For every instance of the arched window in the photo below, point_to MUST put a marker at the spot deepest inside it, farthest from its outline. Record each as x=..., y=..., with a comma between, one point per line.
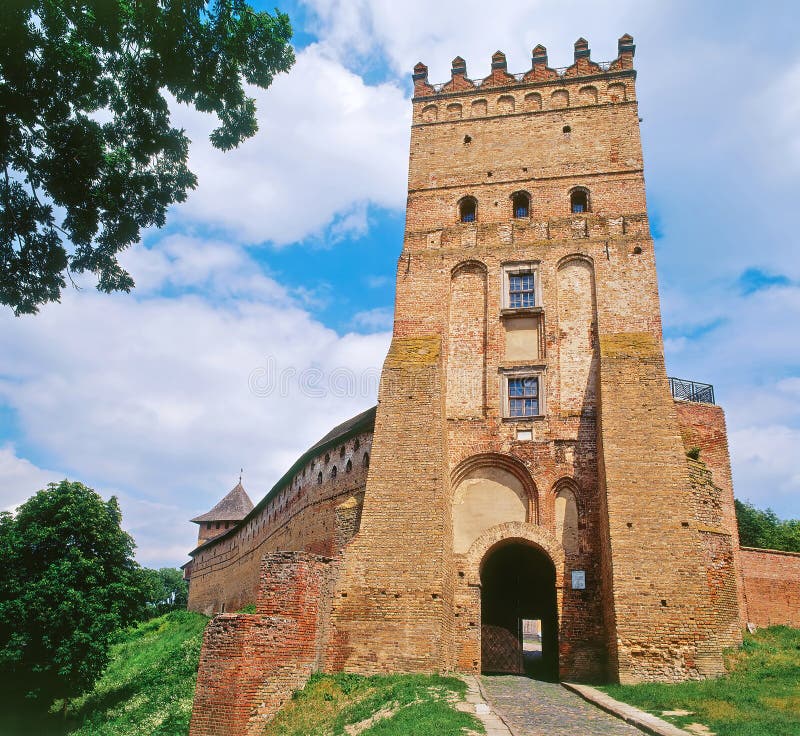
x=579, y=200
x=366, y=460
x=356, y=444
x=334, y=472
x=348, y=467
x=327, y=458
x=521, y=204
x=341, y=451
x=468, y=209
x=319, y=478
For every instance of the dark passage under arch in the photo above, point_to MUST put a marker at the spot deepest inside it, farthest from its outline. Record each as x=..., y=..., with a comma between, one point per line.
x=518, y=585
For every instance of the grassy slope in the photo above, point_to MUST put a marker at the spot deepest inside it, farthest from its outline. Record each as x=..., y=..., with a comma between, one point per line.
x=759, y=697
x=148, y=687
x=407, y=705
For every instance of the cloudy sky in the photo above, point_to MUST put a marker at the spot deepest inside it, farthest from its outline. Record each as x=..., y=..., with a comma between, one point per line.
x=262, y=311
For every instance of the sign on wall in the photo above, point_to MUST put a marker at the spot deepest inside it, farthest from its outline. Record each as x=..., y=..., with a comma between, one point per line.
x=579, y=579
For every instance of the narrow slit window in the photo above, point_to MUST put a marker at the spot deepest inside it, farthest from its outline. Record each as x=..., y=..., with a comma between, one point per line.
x=467, y=209
x=521, y=292
x=523, y=396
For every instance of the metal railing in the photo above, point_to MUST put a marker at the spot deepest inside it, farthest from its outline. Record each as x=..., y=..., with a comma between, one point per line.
x=684, y=390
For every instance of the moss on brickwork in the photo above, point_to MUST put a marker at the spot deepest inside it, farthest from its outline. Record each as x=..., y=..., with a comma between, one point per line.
x=630, y=344
x=417, y=351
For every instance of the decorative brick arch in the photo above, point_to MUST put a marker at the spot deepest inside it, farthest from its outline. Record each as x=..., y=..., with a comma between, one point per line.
x=471, y=264
x=507, y=462
x=510, y=533
x=567, y=483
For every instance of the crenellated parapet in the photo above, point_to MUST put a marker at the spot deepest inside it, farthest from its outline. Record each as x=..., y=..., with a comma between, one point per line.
x=574, y=86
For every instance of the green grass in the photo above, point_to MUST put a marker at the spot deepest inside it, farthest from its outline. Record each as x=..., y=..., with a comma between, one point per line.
x=760, y=696
x=394, y=705
x=148, y=687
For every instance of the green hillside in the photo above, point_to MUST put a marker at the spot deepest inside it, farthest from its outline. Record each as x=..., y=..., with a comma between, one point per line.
x=148, y=687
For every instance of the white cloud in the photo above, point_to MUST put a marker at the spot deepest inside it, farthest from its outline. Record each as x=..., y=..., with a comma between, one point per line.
x=20, y=478
x=380, y=318
x=434, y=33
x=776, y=111
x=376, y=282
x=328, y=144
x=765, y=466
x=152, y=396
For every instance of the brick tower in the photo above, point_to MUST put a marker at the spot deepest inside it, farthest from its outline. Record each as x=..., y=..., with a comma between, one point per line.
x=528, y=495
x=528, y=461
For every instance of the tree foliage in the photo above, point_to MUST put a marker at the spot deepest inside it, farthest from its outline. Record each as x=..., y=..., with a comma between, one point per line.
x=166, y=590
x=68, y=581
x=88, y=153
x=765, y=530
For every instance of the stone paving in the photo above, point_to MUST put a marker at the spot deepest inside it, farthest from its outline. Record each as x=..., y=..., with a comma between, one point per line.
x=535, y=708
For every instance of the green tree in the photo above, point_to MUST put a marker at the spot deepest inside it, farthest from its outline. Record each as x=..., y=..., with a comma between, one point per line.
x=166, y=590
x=88, y=152
x=68, y=581
x=765, y=530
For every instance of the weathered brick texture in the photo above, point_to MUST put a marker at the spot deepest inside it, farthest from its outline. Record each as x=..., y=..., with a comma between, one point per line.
x=771, y=586
x=251, y=663
x=634, y=544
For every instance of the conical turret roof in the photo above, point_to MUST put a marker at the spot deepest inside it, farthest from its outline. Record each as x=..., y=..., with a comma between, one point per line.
x=234, y=507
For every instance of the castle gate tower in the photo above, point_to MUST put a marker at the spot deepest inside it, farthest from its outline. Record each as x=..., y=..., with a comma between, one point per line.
x=527, y=466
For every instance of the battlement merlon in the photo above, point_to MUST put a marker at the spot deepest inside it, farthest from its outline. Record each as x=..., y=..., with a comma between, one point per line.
x=539, y=73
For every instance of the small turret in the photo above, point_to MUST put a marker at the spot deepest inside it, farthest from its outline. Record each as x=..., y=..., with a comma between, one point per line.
x=581, y=49
x=539, y=56
x=230, y=510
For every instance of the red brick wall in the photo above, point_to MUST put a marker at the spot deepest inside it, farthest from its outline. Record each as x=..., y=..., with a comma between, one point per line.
x=301, y=516
x=771, y=586
x=251, y=664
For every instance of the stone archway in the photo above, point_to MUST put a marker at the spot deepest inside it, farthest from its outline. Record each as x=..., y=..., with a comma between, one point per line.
x=516, y=572
x=519, y=615
x=490, y=489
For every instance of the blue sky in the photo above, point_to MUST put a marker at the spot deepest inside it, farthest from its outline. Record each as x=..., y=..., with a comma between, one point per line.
x=262, y=311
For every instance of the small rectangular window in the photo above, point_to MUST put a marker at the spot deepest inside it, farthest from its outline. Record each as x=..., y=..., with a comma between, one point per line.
x=521, y=291
x=523, y=396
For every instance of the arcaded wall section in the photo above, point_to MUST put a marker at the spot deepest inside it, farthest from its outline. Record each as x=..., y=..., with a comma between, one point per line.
x=771, y=586
x=315, y=508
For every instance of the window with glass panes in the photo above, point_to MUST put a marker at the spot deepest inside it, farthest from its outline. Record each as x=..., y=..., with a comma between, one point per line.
x=523, y=396
x=520, y=290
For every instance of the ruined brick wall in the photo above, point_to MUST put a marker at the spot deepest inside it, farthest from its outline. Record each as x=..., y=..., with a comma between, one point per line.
x=301, y=513
x=771, y=586
x=720, y=550
x=251, y=663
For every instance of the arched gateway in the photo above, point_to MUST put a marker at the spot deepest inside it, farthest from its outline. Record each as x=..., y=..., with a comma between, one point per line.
x=519, y=616
x=516, y=573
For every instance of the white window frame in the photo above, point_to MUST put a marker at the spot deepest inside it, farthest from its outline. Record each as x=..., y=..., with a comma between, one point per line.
x=519, y=269
x=538, y=374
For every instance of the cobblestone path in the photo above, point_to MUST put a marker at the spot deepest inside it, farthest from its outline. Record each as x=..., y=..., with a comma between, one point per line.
x=534, y=708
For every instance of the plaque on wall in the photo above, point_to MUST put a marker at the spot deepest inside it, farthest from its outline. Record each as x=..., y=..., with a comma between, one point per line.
x=579, y=579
